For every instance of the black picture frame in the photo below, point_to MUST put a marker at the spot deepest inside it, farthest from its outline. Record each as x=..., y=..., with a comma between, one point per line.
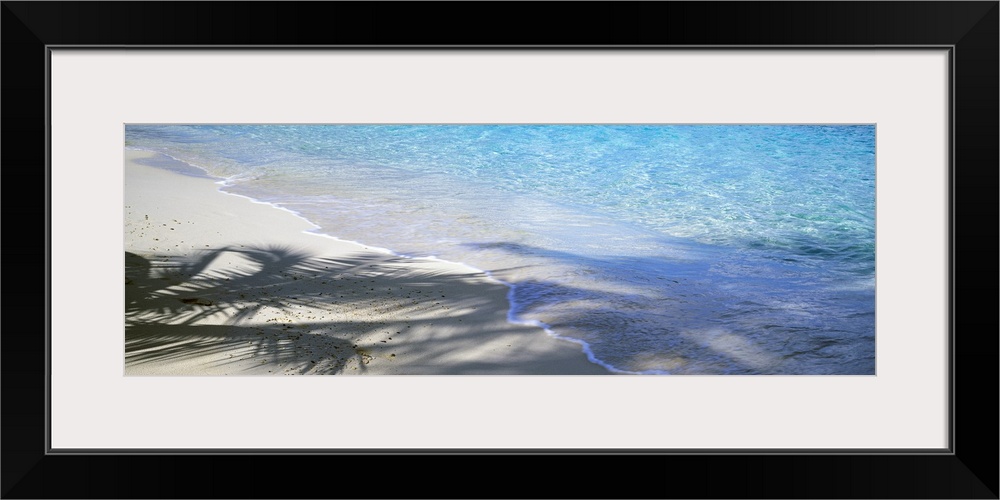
x=968, y=470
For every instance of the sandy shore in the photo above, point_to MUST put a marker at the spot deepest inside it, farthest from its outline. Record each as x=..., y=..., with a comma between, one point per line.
x=216, y=284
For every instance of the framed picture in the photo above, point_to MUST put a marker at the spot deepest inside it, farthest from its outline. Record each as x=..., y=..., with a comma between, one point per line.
x=849, y=383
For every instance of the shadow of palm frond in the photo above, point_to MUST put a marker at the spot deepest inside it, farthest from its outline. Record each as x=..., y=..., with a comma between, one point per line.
x=188, y=290
x=238, y=303
x=287, y=351
x=313, y=314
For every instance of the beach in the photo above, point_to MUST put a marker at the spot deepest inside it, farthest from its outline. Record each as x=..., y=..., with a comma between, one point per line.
x=218, y=284
x=665, y=250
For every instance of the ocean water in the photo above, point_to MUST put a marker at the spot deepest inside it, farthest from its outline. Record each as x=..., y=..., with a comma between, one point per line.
x=661, y=249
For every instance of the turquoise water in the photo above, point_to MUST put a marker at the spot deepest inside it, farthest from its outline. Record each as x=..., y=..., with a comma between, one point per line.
x=694, y=249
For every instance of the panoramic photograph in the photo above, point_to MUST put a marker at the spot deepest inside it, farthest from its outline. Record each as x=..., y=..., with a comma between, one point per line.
x=487, y=249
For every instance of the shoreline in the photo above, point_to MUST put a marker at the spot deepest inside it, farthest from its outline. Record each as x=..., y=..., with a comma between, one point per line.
x=220, y=284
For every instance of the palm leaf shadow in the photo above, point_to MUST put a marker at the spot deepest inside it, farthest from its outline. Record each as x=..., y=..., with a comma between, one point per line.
x=168, y=300
x=222, y=304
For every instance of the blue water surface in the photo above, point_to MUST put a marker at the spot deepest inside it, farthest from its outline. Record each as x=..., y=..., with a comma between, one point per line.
x=674, y=249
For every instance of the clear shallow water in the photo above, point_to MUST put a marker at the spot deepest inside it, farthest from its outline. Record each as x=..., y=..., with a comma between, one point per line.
x=696, y=249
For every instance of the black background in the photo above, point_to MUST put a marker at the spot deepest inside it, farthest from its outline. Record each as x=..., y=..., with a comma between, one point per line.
x=971, y=472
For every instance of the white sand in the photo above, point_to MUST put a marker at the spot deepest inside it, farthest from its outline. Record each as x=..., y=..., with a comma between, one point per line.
x=216, y=284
